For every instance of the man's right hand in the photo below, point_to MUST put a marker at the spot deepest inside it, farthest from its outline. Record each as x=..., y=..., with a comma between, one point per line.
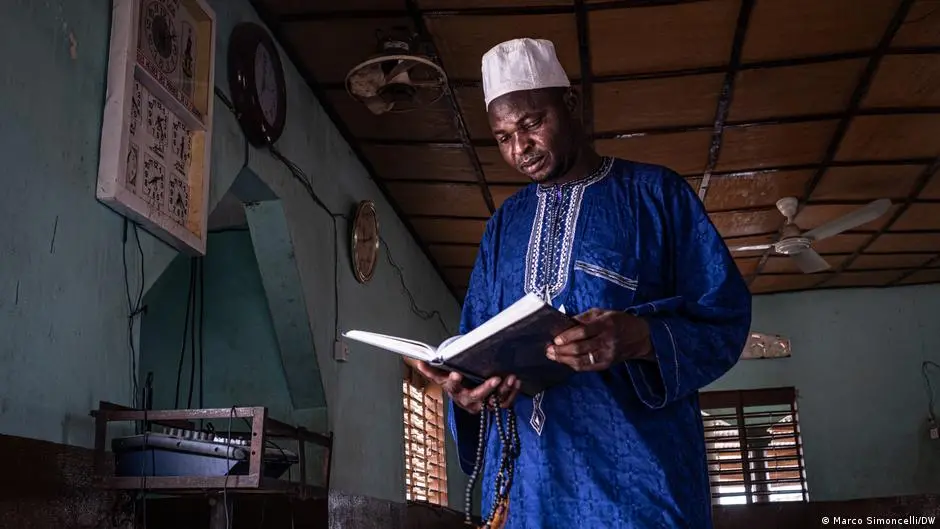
x=469, y=399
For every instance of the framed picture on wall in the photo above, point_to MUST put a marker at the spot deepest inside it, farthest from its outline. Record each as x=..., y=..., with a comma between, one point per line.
x=156, y=134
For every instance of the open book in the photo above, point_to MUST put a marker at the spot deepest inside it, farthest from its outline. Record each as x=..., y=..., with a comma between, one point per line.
x=512, y=342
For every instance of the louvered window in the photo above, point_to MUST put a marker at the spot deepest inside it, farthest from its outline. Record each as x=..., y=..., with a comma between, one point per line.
x=425, y=463
x=752, y=440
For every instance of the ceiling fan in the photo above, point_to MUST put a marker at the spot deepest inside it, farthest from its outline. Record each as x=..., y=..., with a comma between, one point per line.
x=798, y=245
x=400, y=77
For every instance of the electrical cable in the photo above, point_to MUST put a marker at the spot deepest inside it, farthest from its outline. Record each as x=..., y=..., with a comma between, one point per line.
x=202, y=326
x=335, y=282
x=299, y=175
x=228, y=441
x=193, y=322
x=153, y=466
x=423, y=314
x=194, y=264
x=186, y=320
x=134, y=308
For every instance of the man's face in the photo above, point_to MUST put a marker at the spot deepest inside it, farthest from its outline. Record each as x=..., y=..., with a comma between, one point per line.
x=535, y=131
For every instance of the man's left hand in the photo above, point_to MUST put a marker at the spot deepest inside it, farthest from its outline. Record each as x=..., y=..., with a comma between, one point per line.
x=603, y=338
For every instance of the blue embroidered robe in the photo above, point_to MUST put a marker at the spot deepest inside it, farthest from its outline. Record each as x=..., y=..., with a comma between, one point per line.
x=623, y=448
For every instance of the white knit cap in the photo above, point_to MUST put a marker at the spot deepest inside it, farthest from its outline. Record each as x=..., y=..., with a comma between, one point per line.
x=521, y=64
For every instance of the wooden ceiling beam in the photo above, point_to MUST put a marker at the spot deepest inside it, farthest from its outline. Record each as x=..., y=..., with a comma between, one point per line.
x=764, y=65
x=922, y=180
x=584, y=56
x=305, y=16
x=448, y=217
x=905, y=270
x=745, y=209
x=850, y=202
x=749, y=209
x=677, y=129
x=861, y=89
x=292, y=54
x=460, y=245
x=726, y=94
x=706, y=70
x=933, y=263
x=904, y=273
x=398, y=13
x=849, y=232
x=811, y=166
x=890, y=254
x=733, y=173
x=904, y=232
x=819, y=289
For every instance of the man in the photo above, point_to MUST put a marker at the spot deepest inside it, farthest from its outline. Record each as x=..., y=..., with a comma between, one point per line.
x=663, y=312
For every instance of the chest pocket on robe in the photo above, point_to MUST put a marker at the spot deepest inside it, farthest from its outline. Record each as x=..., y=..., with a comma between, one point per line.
x=605, y=279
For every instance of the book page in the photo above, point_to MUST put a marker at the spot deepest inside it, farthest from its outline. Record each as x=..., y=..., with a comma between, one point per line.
x=448, y=341
x=519, y=310
x=410, y=348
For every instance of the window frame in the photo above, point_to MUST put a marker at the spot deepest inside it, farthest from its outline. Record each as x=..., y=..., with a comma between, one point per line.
x=757, y=485
x=424, y=448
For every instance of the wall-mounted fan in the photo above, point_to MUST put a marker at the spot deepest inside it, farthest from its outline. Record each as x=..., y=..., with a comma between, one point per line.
x=798, y=245
x=400, y=78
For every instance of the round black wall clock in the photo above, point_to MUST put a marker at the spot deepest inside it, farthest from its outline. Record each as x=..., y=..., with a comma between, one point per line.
x=256, y=81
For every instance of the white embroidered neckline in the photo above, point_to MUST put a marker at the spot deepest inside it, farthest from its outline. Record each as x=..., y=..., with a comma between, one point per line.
x=566, y=201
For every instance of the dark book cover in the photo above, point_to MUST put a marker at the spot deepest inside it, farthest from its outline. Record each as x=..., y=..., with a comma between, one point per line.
x=518, y=350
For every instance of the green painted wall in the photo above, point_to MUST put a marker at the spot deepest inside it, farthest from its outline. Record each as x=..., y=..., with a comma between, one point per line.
x=856, y=365
x=241, y=357
x=62, y=297
x=241, y=361
x=63, y=308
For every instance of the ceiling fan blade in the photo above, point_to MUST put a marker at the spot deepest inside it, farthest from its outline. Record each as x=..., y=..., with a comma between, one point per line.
x=810, y=262
x=401, y=67
x=754, y=248
x=853, y=220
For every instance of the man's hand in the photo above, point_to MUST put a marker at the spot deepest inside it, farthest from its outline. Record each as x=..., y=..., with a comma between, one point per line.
x=603, y=338
x=471, y=400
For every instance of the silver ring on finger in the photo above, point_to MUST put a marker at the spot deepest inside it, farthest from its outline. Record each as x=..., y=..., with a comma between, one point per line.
x=591, y=358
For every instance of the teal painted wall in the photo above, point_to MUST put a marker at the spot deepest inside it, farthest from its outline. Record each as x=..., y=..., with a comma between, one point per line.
x=63, y=308
x=241, y=360
x=62, y=297
x=856, y=365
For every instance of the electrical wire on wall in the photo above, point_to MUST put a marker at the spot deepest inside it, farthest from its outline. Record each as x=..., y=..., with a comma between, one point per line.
x=135, y=308
x=298, y=174
x=423, y=314
x=193, y=326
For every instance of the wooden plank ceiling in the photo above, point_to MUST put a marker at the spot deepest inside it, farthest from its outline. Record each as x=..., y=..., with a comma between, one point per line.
x=836, y=102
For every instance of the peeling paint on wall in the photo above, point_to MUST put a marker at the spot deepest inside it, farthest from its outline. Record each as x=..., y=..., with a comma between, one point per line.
x=73, y=46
